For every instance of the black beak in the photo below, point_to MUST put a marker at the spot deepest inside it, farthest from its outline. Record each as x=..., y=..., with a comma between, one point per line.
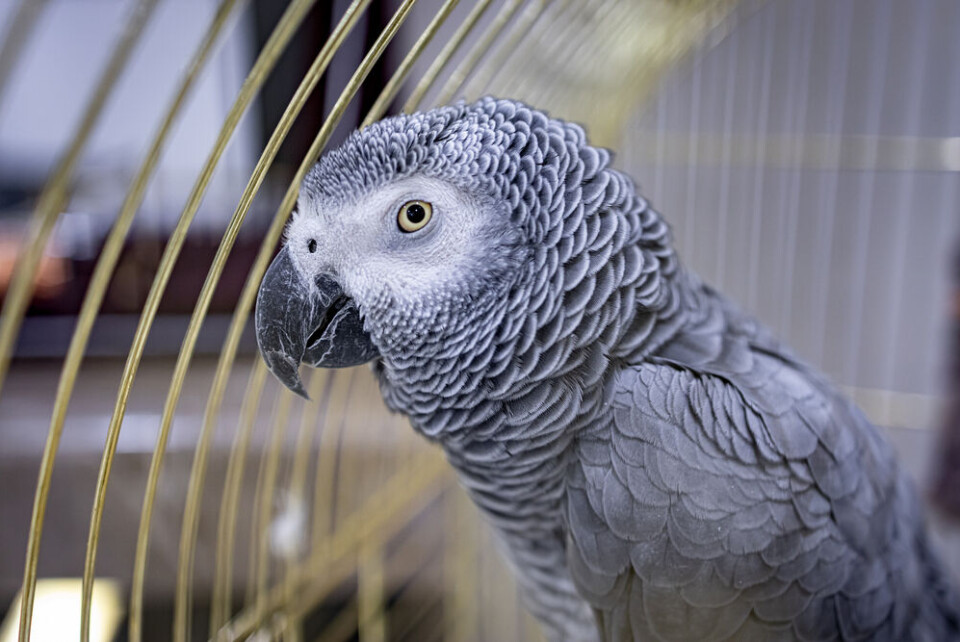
x=313, y=323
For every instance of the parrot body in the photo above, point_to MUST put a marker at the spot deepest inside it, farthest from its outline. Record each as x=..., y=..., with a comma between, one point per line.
x=657, y=465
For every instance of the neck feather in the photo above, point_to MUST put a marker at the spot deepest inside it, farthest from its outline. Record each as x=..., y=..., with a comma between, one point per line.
x=533, y=368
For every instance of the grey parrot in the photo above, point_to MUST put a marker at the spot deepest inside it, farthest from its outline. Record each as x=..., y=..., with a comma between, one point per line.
x=657, y=465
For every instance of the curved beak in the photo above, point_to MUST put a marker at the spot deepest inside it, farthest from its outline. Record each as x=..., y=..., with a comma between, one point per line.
x=301, y=322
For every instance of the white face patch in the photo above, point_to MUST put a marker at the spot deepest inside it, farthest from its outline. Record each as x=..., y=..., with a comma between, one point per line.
x=363, y=246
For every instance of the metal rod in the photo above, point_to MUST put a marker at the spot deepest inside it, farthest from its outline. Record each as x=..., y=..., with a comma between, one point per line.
x=266, y=250
x=319, y=390
x=479, y=50
x=449, y=49
x=383, y=515
x=557, y=18
x=104, y=268
x=54, y=195
x=261, y=534
x=245, y=303
x=333, y=421
x=253, y=548
x=49, y=204
x=519, y=31
x=223, y=571
x=371, y=618
x=251, y=285
x=198, y=469
x=275, y=45
x=390, y=90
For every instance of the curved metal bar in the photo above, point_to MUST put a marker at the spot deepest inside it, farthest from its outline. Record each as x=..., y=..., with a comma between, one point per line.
x=54, y=196
x=100, y=279
x=335, y=412
x=574, y=28
x=371, y=619
x=383, y=515
x=319, y=388
x=476, y=54
x=50, y=202
x=198, y=469
x=518, y=32
x=252, y=548
x=323, y=484
x=393, y=85
x=268, y=57
x=225, y=540
x=543, y=30
x=213, y=276
x=220, y=604
x=359, y=471
x=260, y=533
x=220, y=609
x=561, y=29
x=245, y=303
x=433, y=71
x=317, y=145
x=225, y=531
x=223, y=251
x=318, y=515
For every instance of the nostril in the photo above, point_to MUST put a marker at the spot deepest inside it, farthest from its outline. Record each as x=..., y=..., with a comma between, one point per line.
x=311, y=246
x=327, y=282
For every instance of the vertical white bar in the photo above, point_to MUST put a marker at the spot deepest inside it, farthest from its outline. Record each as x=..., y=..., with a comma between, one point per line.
x=746, y=110
x=690, y=216
x=876, y=83
x=920, y=73
x=939, y=332
x=798, y=135
x=730, y=89
x=840, y=39
x=777, y=217
x=760, y=156
x=661, y=150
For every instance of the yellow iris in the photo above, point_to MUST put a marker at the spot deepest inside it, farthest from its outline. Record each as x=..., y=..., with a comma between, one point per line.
x=414, y=215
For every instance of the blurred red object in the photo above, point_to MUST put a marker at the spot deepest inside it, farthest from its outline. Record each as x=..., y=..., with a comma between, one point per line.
x=52, y=274
x=946, y=487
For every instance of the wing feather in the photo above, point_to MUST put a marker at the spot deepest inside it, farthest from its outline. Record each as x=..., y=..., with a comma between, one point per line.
x=730, y=494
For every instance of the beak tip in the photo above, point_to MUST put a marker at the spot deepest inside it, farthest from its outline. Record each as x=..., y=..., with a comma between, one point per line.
x=286, y=370
x=300, y=391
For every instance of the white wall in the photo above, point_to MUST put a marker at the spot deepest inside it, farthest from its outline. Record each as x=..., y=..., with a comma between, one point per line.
x=845, y=256
x=55, y=77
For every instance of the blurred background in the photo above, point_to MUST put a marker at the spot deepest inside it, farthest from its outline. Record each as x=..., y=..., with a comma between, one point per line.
x=806, y=152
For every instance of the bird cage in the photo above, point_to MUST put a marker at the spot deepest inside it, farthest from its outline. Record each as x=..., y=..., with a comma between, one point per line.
x=777, y=138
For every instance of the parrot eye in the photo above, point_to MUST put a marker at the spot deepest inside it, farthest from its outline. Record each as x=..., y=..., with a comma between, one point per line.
x=414, y=215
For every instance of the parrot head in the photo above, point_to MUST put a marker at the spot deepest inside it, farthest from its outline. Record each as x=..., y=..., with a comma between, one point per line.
x=396, y=249
x=466, y=247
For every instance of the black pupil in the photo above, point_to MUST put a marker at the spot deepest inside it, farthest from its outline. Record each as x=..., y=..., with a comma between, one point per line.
x=311, y=246
x=416, y=213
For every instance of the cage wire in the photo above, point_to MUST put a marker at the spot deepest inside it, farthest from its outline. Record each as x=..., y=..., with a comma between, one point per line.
x=266, y=517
